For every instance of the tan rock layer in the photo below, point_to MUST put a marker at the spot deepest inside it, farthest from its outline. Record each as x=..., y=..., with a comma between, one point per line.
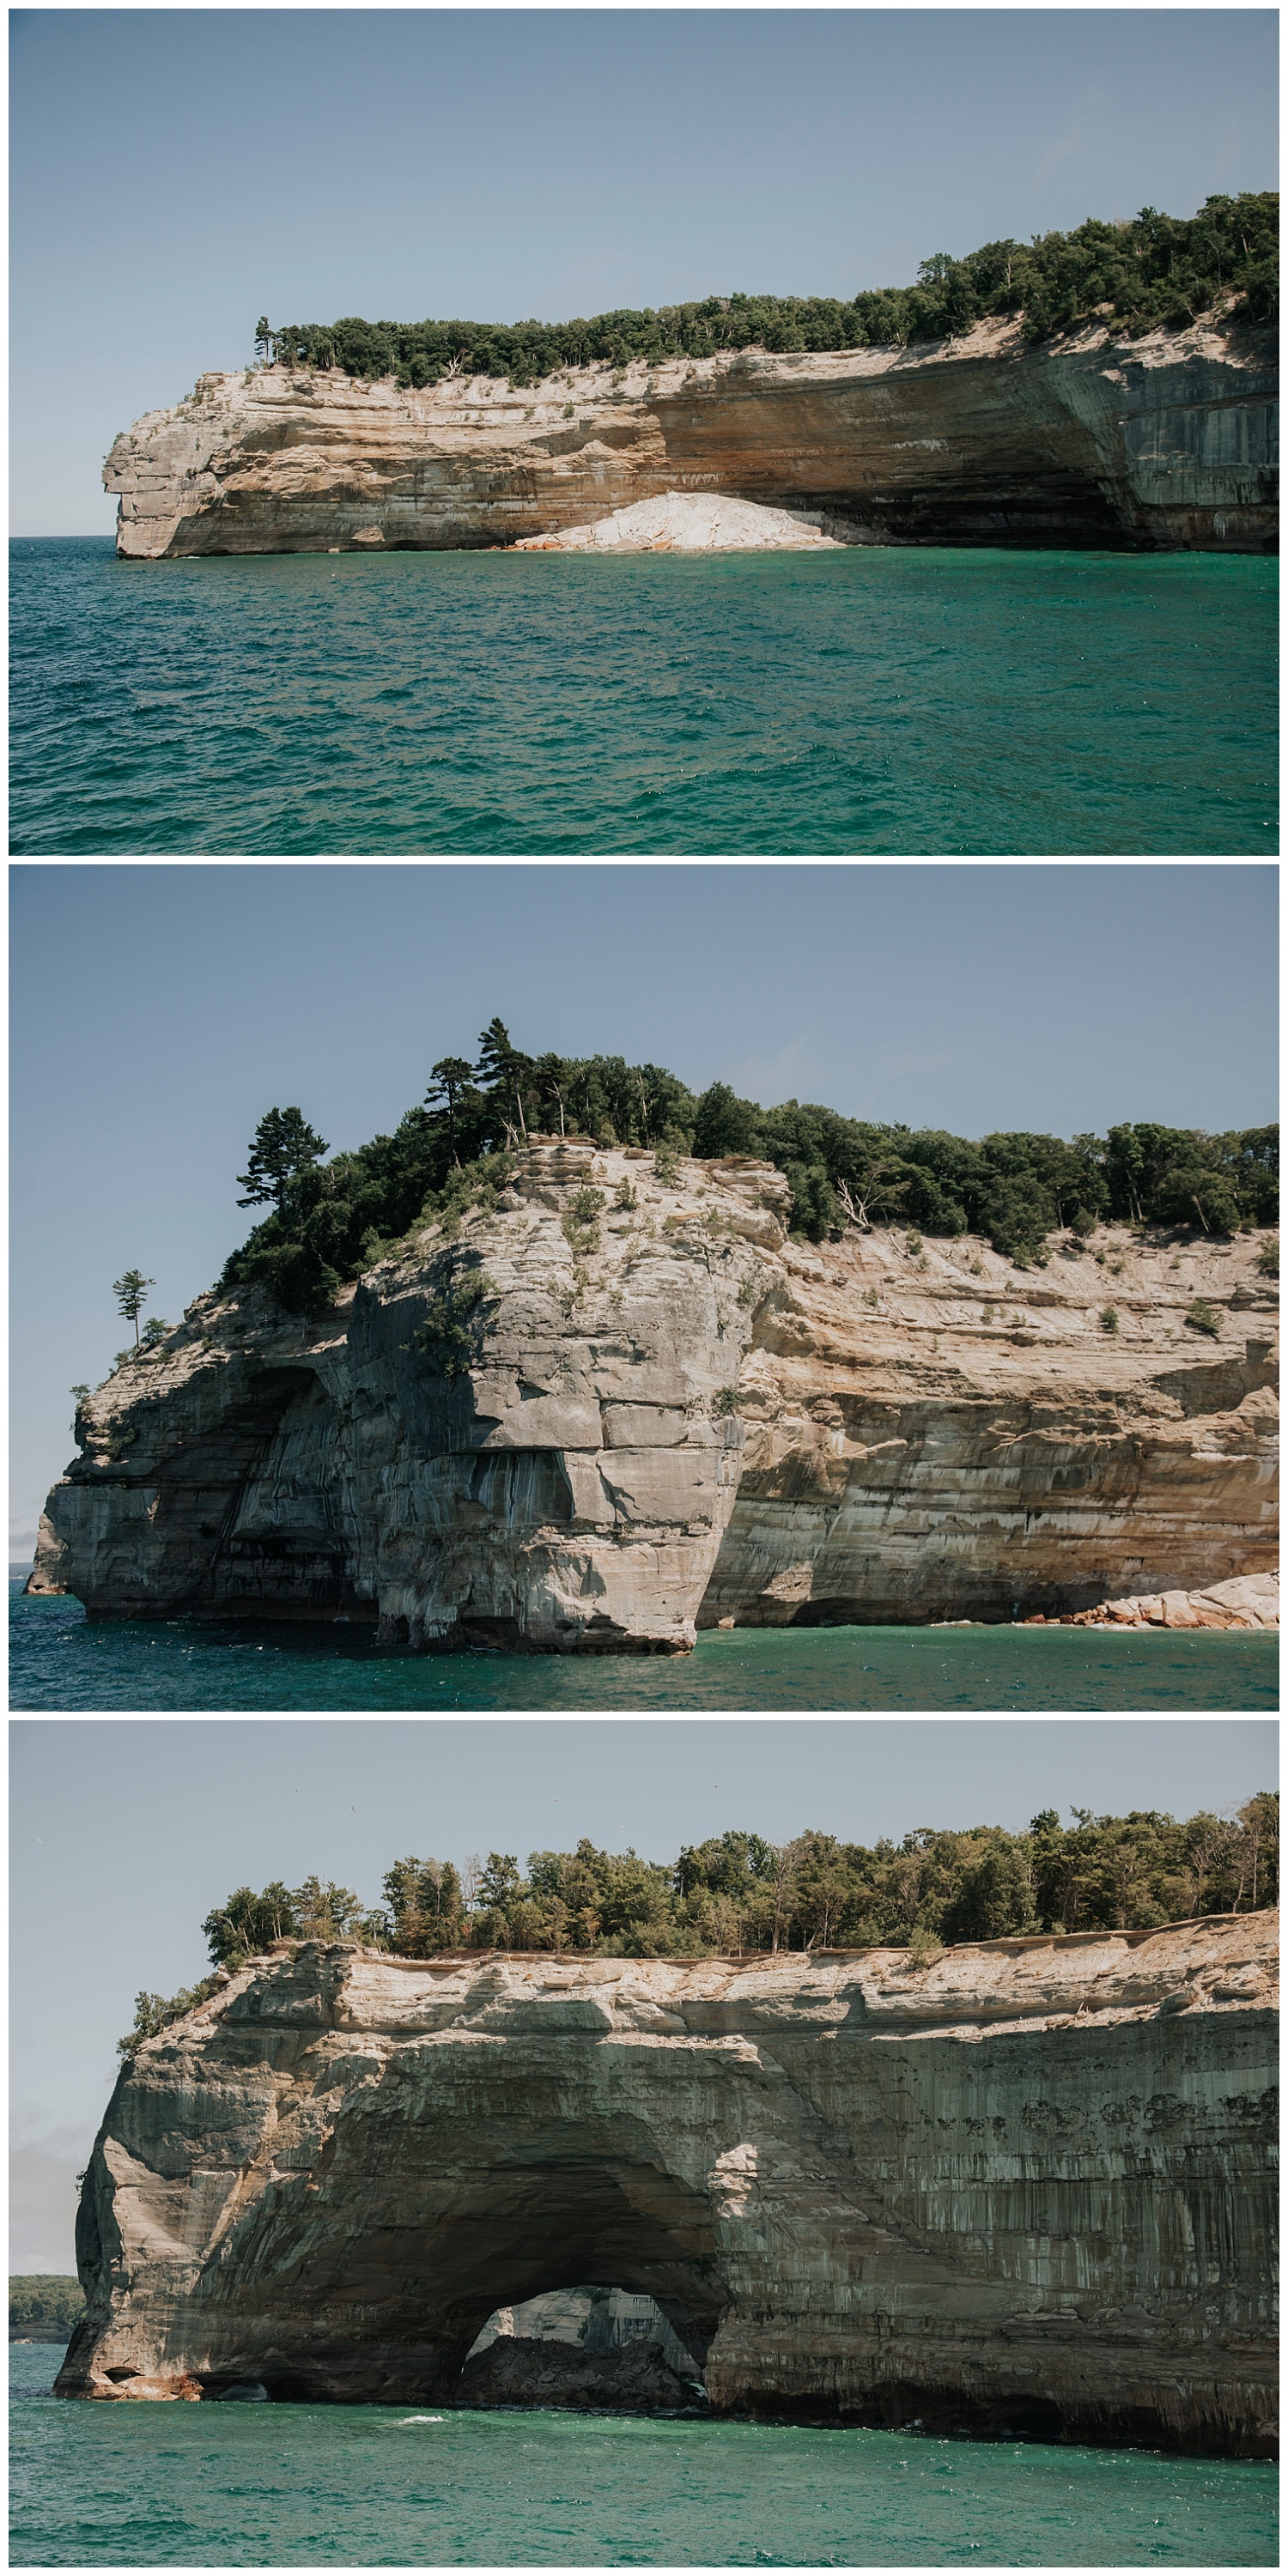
x=1028, y=2188
x=1165, y=441
x=695, y=1423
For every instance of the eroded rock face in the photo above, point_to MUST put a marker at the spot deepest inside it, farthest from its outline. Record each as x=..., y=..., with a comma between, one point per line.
x=1164, y=441
x=566, y=1491
x=939, y=1436
x=694, y=1422
x=1028, y=2188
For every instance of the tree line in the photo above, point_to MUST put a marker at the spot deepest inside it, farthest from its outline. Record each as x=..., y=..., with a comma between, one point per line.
x=1153, y=270
x=329, y=1221
x=740, y=1892
x=45, y=2299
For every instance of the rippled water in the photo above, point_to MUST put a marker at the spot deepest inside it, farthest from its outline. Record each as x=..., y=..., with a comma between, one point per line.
x=906, y=700
x=59, y=1660
x=364, y=2486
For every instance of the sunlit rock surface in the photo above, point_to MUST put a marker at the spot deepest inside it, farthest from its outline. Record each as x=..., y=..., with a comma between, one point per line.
x=1169, y=440
x=695, y=1422
x=1026, y=2189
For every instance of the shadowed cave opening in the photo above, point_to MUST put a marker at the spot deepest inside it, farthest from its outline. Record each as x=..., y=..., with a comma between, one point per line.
x=568, y=2279
x=281, y=1549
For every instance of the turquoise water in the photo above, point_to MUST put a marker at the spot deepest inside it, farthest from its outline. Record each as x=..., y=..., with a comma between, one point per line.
x=898, y=700
x=365, y=2486
x=59, y=1660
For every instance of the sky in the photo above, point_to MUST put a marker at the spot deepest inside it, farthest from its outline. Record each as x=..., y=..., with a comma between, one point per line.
x=159, y=1011
x=126, y=1832
x=178, y=172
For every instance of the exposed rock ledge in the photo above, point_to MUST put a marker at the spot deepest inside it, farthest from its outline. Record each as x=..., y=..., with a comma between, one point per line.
x=1094, y=441
x=700, y=1423
x=1026, y=2189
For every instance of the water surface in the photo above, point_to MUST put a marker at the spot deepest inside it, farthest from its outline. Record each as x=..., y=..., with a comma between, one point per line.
x=363, y=2486
x=60, y=1660
x=923, y=700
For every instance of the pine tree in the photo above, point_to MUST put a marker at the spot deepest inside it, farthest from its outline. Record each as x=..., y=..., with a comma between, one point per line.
x=502, y=1067
x=131, y=1294
x=451, y=1076
x=284, y=1145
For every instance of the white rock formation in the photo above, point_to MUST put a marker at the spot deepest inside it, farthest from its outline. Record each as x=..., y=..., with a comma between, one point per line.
x=687, y=523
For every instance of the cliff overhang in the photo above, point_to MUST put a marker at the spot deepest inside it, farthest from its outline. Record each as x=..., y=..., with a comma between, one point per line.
x=1097, y=440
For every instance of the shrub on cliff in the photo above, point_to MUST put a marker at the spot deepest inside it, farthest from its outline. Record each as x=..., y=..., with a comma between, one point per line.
x=452, y=1331
x=154, y=2013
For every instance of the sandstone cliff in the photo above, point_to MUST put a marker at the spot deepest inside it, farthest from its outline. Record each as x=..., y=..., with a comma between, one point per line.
x=1095, y=441
x=697, y=1422
x=1026, y=2189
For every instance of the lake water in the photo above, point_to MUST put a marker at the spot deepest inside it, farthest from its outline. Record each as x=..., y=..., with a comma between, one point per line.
x=365, y=2486
x=59, y=1660
x=881, y=700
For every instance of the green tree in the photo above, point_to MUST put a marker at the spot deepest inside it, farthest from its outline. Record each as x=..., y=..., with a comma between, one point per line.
x=724, y=1124
x=131, y=1294
x=246, y=1924
x=452, y=1078
x=284, y=1146
x=426, y=1907
x=324, y=1911
x=994, y=1895
x=550, y=1076
x=263, y=339
x=503, y=1070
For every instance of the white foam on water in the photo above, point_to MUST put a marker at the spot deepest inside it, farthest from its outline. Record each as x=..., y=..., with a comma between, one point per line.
x=418, y=2419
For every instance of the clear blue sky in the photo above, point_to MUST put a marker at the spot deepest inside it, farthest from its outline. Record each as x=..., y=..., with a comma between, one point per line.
x=177, y=172
x=159, y=1011
x=126, y=1832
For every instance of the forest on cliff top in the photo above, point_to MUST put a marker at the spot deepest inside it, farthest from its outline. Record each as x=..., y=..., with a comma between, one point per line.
x=739, y=1892
x=330, y=1221
x=1153, y=270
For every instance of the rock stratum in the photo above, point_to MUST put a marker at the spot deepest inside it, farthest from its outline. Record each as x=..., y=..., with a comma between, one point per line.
x=1026, y=2189
x=695, y=1423
x=1099, y=440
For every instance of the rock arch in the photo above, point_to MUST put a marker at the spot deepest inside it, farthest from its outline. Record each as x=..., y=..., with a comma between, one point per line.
x=984, y=2195
x=395, y=2300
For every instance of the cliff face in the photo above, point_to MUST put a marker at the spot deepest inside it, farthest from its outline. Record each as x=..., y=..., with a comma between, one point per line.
x=1025, y=2189
x=695, y=1422
x=1165, y=441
